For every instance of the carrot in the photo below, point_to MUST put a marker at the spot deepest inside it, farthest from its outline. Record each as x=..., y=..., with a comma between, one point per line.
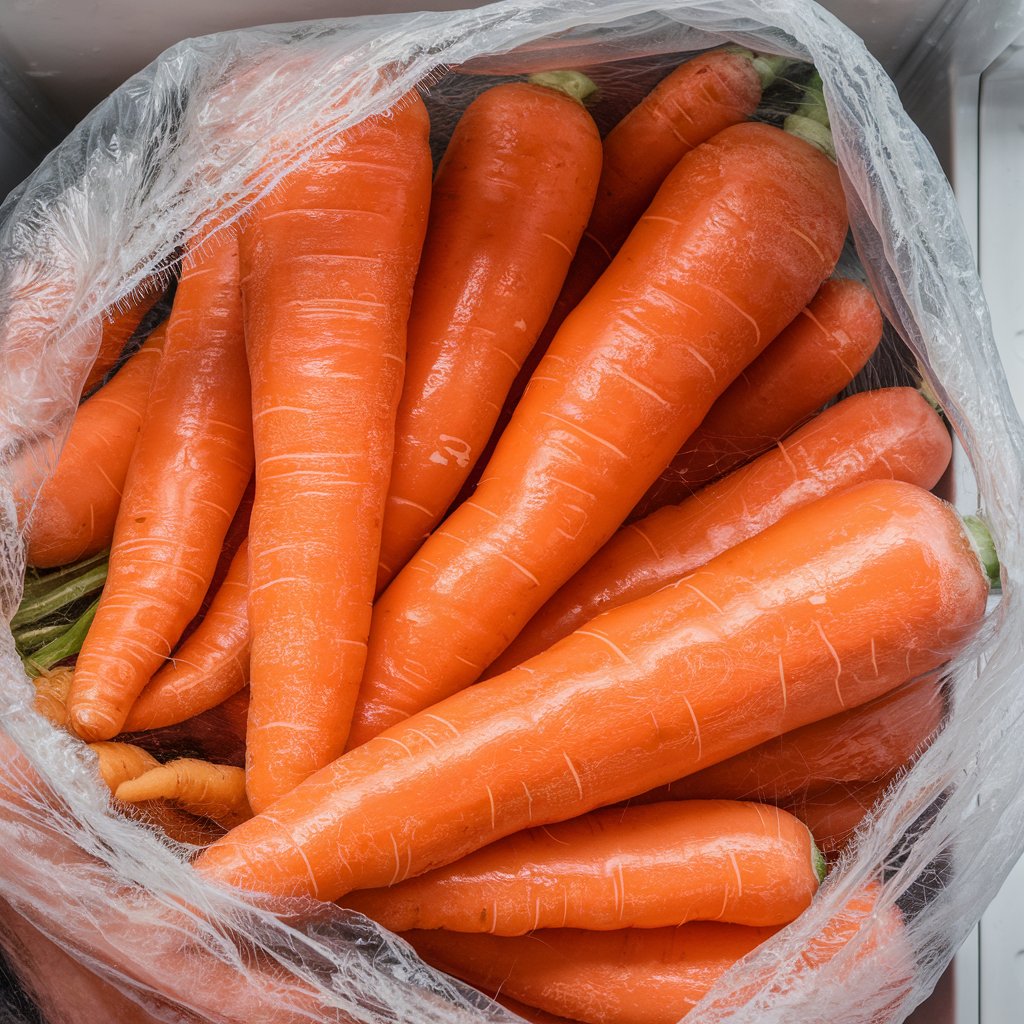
x=51, y=699
x=121, y=762
x=124, y=321
x=509, y=204
x=684, y=307
x=528, y=1013
x=210, y=666
x=836, y=811
x=869, y=742
x=892, y=433
x=206, y=790
x=630, y=976
x=635, y=867
x=808, y=364
x=74, y=513
x=191, y=463
x=829, y=608
x=328, y=270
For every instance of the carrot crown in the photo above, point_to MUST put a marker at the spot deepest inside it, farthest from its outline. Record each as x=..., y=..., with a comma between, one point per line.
x=768, y=66
x=810, y=120
x=984, y=547
x=574, y=84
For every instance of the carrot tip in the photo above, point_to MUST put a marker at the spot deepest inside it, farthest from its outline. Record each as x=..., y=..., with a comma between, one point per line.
x=92, y=724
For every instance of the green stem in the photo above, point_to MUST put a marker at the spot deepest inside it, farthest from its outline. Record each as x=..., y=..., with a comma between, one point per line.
x=818, y=862
x=47, y=602
x=984, y=547
x=768, y=67
x=813, y=103
x=924, y=389
x=31, y=639
x=35, y=585
x=810, y=122
x=68, y=644
x=574, y=84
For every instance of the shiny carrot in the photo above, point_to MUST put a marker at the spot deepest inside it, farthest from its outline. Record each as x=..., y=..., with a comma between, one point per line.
x=191, y=463
x=207, y=790
x=630, y=976
x=827, y=609
x=633, y=867
x=808, y=364
x=328, y=264
x=123, y=321
x=869, y=742
x=888, y=434
x=735, y=243
x=210, y=666
x=75, y=511
x=509, y=204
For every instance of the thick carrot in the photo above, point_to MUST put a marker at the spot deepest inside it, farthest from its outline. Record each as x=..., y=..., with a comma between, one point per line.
x=206, y=790
x=192, y=461
x=328, y=269
x=829, y=608
x=509, y=204
x=630, y=976
x=836, y=811
x=74, y=513
x=635, y=867
x=869, y=742
x=736, y=241
x=810, y=362
x=892, y=433
x=123, y=321
x=210, y=666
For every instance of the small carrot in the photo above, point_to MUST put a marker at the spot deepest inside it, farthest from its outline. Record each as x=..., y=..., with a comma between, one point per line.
x=635, y=867
x=51, y=699
x=123, y=321
x=74, y=513
x=190, y=467
x=328, y=268
x=836, y=811
x=121, y=762
x=889, y=434
x=206, y=790
x=869, y=742
x=808, y=364
x=510, y=201
x=630, y=375
x=211, y=664
x=827, y=609
x=630, y=976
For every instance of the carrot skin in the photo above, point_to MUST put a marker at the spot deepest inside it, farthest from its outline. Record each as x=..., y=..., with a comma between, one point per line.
x=808, y=364
x=328, y=265
x=191, y=464
x=654, y=341
x=836, y=811
x=876, y=435
x=116, y=331
x=75, y=511
x=864, y=743
x=829, y=608
x=509, y=203
x=635, y=867
x=209, y=667
x=630, y=976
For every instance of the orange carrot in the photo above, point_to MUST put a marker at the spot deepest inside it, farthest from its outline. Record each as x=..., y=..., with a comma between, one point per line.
x=74, y=513
x=736, y=241
x=876, y=435
x=808, y=364
x=206, y=790
x=210, y=666
x=869, y=742
x=634, y=867
x=328, y=269
x=827, y=609
x=509, y=204
x=124, y=321
x=51, y=699
x=528, y=1013
x=190, y=467
x=835, y=812
x=630, y=976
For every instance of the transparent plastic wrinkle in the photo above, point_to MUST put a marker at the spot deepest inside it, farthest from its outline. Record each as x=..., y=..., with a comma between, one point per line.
x=187, y=144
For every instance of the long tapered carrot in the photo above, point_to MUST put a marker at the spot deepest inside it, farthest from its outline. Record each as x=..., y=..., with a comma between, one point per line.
x=210, y=666
x=735, y=243
x=869, y=742
x=122, y=323
x=328, y=269
x=207, y=790
x=631, y=976
x=889, y=434
x=509, y=204
x=827, y=609
x=810, y=362
x=192, y=461
x=75, y=511
x=633, y=867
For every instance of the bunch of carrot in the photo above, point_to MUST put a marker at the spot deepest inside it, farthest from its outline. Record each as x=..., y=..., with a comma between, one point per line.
x=678, y=586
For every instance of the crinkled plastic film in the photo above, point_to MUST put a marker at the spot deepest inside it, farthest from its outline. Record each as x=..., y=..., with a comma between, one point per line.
x=185, y=142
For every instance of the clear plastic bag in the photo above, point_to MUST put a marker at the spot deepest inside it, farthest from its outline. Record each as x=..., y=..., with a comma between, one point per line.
x=184, y=143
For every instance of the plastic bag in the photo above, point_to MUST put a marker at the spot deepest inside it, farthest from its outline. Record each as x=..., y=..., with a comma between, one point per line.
x=183, y=143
